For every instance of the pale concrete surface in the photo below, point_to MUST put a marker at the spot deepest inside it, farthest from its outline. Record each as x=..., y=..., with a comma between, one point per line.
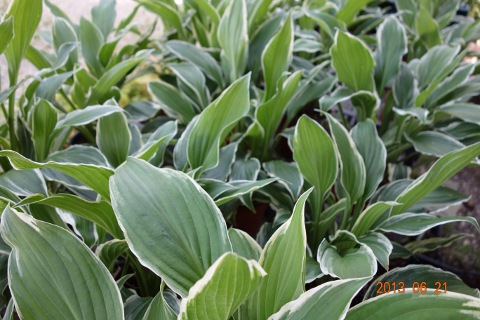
x=75, y=9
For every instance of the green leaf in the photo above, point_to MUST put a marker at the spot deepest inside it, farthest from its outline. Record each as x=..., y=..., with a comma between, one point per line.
x=44, y=118
x=192, y=83
x=247, y=169
x=380, y=246
x=233, y=39
x=268, y=116
x=23, y=183
x=392, y=45
x=442, y=170
x=288, y=173
x=159, y=309
x=109, y=252
x=170, y=16
x=191, y=242
x=85, y=116
x=283, y=258
x=330, y=300
x=171, y=101
x=244, y=245
x=412, y=224
x=113, y=138
x=352, y=166
x=215, y=122
x=459, y=77
x=434, y=65
x=224, y=287
x=427, y=28
x=434, y=143
x=95, y=177
x=412, y=306
x=154, y=149
x=6, y=33
x=103, y=16
x=321, y=166
x=405, y=88
x=100, y=91
x=354, y=263
x=64, y=278
x=99, y=212
x=351, y=9
x=91, y=40
x=26, y=17
x=422, y=273
x=353, y=62
x=365, y=101
x=373, y=152
x=468, y=112
x=241, y=188
x=277, y=56
x=198, y=57
x=370, y=216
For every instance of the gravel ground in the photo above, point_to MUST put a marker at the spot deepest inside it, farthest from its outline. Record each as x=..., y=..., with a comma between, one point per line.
x=75, y=9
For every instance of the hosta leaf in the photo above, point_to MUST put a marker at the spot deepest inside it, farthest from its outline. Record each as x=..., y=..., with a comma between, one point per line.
x=434, y=64
x=355, y=263
x=458, y=77
x=442, y=170
x=320, y=166
x=427, y=28
x=268, y=115
x=434, y=143
x=154, y=149
x=198, y=57
x=191, y=241
x=224, y=287
x=100, y=91
x=109, y=252
x=215, y=122
x=244, y=245
x=113, y=138
x=283, y=258
x=412, y=224
x=6, y=33
x=170, y=16
x=288, y=173
x=468, y=112
x=373, y=152
x=192, y=83
x=412, y=306
x=330, y=300
x=26, y=17
x=53, y=275
x=95, y=177
x=23, y=183
x=405, y=89
x=233, y=39
x=180, y=153
x=103, y=16
x=136, y=307
x=370, y=216
x=91, y=39
x=380, y=245
x=277, y=56
x=87, y=115
x=422, y=273
x=245, y=169
x=241, y=188
x=364, y=100
x=353, y=62
x=392, y=45
x=99, y=212
x=159, y=309
x=171, y=100
x=353, y=172
x=225, y=162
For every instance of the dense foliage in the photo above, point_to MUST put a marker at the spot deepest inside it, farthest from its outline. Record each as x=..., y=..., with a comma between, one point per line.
x=262, y=171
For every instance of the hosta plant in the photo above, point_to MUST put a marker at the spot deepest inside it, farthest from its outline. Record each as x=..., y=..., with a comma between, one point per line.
x=140, y=210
